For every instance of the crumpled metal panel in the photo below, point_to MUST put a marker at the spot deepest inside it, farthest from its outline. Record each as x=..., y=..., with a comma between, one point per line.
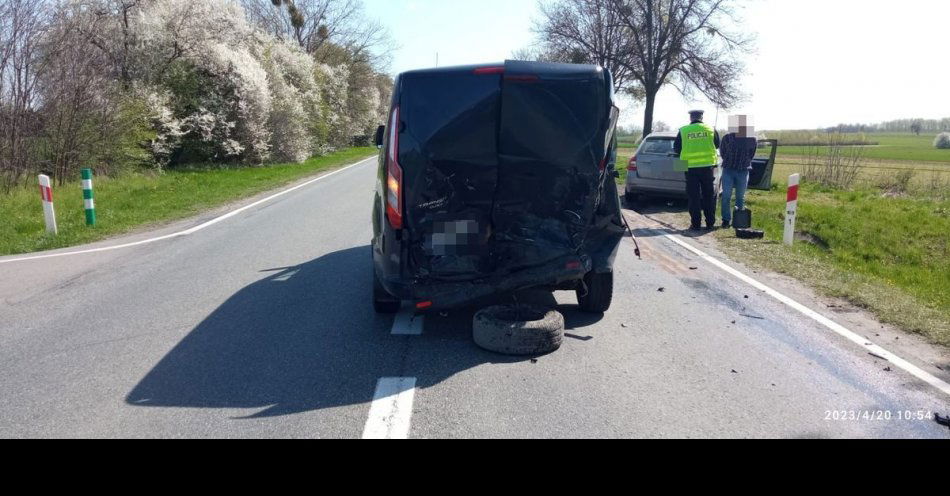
x=449, y=156
x=551, y=146
x=502, y=171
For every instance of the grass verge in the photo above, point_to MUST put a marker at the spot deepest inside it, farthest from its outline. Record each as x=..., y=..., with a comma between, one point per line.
x=890, y=256
x=126, y=203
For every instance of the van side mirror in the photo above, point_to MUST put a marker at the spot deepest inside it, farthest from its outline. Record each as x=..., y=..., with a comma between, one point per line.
x=380, y=132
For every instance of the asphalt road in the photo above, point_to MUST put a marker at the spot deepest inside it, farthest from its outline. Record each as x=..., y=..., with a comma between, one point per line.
x=262, y=326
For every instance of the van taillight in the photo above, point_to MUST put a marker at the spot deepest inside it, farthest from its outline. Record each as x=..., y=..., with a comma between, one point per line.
x=394, y=184
x=632, y=166
x=482, y=71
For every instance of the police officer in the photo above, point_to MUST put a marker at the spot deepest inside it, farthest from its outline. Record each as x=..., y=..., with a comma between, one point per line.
x=696, y=146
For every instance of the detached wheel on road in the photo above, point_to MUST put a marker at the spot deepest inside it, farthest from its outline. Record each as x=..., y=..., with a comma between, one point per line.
x=383, y=302
x=599, y=292
x=518, y=329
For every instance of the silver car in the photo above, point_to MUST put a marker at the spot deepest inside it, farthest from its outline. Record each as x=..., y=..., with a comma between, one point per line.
x=651, y=169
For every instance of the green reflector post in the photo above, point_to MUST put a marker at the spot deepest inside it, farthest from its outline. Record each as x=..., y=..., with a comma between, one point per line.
x=89, y=201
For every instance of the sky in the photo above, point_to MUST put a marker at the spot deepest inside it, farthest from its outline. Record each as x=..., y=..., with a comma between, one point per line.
x=817, y=63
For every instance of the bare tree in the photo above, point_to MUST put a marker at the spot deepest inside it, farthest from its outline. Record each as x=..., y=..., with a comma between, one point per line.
x=109, y=27
x=917, y=126
x=22, y=25
x=315, y=23
x=584, y=31
x=685, y=43
x=79, y=104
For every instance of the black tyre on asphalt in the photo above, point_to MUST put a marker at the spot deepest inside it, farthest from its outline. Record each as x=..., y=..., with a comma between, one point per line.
x=518, y=329
x=632, y=199
x=599, y=292
x=383, y=302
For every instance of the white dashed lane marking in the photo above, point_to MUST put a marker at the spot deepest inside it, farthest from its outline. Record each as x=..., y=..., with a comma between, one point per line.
x=391, y=411
x=407, y=323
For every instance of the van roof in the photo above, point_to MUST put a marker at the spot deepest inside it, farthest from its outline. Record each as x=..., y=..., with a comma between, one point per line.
x=546, y=68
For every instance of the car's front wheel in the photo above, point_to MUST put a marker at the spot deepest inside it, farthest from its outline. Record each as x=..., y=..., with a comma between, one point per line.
x=598, y=292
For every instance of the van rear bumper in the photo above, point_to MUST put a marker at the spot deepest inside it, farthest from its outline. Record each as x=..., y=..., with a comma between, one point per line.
x=449, y=295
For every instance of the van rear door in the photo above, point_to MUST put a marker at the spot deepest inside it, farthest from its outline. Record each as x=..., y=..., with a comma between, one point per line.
x=556, y=125
x=449, y=155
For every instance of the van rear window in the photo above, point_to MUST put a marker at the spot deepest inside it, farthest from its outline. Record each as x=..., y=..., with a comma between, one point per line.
x=658, y=147
x=454, y=115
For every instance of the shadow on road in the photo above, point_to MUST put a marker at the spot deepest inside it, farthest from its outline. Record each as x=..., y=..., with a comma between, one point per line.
x=306, y=338
x=671, y=213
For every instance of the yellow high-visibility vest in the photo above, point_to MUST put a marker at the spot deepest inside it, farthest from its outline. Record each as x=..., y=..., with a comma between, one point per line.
x=699, y=145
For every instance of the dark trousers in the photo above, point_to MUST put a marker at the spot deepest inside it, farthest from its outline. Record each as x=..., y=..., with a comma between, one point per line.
x=702, y=198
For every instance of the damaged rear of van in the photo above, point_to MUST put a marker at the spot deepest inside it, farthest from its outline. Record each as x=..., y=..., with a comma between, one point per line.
x=495, y=179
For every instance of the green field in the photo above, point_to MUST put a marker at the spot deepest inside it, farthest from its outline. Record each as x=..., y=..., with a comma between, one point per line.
x=897, y=147
x=126, y=203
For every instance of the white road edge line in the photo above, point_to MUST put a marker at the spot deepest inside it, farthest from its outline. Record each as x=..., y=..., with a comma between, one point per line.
x=391, y=411
x=821, y=319
x=191, y=231
x=407, y=323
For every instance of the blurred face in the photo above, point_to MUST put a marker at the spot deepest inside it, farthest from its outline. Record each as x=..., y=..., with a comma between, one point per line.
x=742, y=126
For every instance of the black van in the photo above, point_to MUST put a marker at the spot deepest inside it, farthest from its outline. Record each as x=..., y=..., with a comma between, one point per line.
x=494, y=179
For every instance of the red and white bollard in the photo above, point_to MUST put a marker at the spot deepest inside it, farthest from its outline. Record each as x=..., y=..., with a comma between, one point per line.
x=46, y=191
x=791, y=211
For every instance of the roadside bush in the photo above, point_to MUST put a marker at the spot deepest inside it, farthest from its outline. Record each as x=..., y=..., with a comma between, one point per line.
x=837, y=167
x=123, y=84
x=899, y=183
x=942, y=141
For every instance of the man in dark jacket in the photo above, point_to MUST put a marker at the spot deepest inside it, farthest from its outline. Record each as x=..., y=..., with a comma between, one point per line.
x=738, y=149
x=696, y=145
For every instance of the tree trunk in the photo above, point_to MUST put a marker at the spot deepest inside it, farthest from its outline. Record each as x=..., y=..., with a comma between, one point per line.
x=648, y=112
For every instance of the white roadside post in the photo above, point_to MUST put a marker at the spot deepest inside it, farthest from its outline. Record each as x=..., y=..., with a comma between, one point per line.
x=49, y=213
x=791, y=211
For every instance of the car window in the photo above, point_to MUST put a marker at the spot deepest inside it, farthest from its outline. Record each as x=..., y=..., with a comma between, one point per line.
x=658, y=147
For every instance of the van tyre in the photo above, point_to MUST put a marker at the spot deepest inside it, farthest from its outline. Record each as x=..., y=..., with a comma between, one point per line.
x=383, y=302
x=519, y=330
x=599, y=292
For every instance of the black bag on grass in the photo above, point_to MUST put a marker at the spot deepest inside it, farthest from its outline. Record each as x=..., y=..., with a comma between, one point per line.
x=742, y=219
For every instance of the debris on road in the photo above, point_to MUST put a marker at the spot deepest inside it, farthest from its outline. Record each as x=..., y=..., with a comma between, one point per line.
x=734, y=372
x=662, y=290
x=944, y=421
x=888, y=370
x=875, y=355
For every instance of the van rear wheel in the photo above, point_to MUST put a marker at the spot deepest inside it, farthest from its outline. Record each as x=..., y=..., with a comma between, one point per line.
x=383, y=302
x=599, y=292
